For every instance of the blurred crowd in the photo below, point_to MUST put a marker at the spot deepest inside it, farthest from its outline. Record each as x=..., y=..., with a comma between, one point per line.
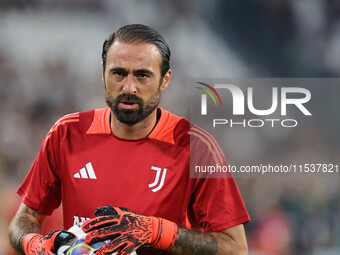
x=50, y=66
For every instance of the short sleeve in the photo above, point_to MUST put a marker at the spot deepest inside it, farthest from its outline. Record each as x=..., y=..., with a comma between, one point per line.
x=216, y=202
x=41, y=189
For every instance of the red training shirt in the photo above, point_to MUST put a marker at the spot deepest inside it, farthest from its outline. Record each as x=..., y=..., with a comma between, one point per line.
x=84, y=165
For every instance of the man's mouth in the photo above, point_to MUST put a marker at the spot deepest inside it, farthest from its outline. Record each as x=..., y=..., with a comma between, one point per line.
x=128, y=104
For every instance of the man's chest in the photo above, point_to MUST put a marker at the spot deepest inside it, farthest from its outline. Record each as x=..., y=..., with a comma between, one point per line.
x=143, y=176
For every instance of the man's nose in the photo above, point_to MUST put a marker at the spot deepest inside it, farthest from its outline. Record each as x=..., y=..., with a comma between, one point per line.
x=130, y=85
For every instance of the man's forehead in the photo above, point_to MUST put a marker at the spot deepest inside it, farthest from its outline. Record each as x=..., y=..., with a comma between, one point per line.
x=134, y=57
x=135, y=49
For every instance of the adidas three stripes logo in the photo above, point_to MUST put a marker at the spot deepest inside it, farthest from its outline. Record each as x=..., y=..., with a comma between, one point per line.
x=86, y=172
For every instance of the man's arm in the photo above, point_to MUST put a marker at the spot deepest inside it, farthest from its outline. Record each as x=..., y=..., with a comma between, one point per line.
x=229, y=241
x=24, y=222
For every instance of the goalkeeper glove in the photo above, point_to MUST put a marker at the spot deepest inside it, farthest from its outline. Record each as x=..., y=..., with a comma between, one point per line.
x=128, y=231
x=36, y=244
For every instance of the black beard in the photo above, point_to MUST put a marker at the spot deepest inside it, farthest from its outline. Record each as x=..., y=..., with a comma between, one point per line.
x=132, y=116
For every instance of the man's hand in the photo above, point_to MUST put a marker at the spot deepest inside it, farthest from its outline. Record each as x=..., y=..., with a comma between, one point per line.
x=128, y=231
x=36, y=244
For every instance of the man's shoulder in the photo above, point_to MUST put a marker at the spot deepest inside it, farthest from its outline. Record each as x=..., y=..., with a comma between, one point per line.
x=181, y=129
x=171, y=129
x=82, y=122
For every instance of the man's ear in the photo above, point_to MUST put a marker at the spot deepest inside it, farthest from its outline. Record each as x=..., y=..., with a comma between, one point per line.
x=166, y=80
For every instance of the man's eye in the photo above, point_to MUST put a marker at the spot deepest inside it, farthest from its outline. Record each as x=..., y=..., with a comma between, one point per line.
x=142, y=75
x=118, y=74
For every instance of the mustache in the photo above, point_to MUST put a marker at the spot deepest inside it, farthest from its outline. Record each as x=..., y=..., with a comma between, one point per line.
x=128, y=97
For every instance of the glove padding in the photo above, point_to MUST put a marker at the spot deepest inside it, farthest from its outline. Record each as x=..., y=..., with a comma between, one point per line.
x=128, y=231
x=36, y=244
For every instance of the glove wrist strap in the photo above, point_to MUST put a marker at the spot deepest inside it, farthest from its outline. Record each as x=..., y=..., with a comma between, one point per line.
x=164, y=233
x=28, y=240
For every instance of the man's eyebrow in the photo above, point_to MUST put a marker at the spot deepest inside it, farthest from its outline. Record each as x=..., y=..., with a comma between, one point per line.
x=118, y=69
x=144, y=71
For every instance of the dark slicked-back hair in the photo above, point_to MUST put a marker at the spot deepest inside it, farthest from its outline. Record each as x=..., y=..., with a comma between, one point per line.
x=139, y=34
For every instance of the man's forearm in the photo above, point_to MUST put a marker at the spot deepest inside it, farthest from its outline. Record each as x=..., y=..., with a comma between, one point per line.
x=23, y=223
x=192, y=242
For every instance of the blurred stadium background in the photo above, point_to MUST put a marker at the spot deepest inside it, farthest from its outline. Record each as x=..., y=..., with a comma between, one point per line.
x=50, y=66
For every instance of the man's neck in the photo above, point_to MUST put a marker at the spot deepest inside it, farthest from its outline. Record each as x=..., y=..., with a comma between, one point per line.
x=136, y=131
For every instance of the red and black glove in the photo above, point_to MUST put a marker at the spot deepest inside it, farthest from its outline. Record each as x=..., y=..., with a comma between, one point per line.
x=36, y=244
x=128, y=231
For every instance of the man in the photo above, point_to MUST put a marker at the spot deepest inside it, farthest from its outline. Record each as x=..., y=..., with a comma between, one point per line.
x=135, y=157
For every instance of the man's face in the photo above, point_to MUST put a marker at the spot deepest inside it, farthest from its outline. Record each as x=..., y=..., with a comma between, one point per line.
x=133, y=81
